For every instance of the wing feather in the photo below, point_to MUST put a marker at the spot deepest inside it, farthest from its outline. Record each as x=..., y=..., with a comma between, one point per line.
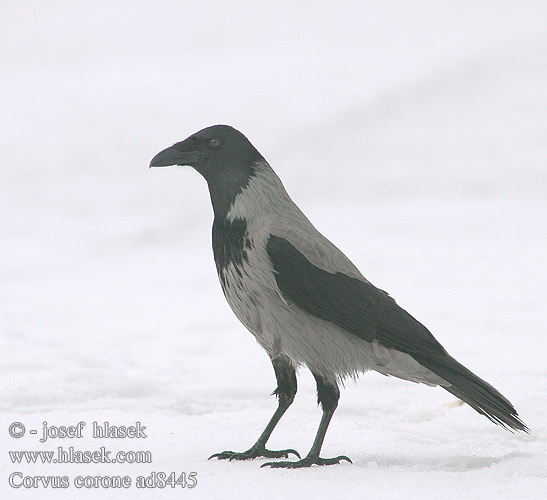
x=356, y=306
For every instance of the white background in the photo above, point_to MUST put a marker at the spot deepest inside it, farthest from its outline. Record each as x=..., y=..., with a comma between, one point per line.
x=413, y=134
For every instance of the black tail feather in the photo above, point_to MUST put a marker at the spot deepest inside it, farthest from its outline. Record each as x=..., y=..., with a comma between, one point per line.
x=474, y=391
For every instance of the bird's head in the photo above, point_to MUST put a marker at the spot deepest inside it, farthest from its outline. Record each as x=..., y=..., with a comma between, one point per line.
x=221, y=154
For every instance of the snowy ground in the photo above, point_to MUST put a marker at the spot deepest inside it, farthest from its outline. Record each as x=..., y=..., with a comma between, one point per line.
x=411, y=133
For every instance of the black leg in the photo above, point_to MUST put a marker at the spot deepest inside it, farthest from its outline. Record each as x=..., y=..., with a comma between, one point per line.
x=285, y=392
x=328, y=395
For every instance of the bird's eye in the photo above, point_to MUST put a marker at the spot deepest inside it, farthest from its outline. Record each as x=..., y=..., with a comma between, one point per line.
x=214, y=143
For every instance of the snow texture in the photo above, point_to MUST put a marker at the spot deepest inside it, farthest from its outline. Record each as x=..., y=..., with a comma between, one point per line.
x=411, y=133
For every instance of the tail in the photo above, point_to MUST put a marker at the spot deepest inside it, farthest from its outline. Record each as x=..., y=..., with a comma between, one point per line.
x=474, y=391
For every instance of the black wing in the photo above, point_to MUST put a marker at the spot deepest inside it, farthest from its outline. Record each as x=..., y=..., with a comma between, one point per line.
x=370, y=313
x=354, y=305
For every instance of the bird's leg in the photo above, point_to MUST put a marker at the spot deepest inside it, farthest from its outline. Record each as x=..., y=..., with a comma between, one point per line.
x=328, y=395
x=285, y=392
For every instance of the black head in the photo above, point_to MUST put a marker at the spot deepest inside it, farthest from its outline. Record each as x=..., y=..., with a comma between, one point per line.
x=222, y=154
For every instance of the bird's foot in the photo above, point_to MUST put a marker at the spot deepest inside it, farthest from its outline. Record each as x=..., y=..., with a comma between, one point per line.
x=306, y=462
x=254, y=452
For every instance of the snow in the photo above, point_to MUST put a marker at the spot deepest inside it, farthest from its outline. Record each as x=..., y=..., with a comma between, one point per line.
x=411, y=133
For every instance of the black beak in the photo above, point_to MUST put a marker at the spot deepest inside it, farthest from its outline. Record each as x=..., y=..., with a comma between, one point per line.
x=173, y=156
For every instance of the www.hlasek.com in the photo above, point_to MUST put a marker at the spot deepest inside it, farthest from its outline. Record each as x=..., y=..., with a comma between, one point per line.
x=72, y=455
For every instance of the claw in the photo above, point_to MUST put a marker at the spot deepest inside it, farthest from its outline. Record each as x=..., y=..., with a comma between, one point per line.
x=287, y=452
x=306, y=462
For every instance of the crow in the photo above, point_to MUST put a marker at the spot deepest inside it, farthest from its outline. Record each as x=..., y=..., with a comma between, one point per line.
x=305, y=301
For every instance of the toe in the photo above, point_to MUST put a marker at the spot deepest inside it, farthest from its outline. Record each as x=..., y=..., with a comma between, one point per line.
x=280, y=453
x=223, y=455
x=306, y=462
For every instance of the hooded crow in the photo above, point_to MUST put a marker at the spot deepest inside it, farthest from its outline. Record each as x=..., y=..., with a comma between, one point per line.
x=304, y=300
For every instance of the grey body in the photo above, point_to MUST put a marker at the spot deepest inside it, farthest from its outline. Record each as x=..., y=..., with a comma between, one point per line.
x=304, y=300
x=280, y=326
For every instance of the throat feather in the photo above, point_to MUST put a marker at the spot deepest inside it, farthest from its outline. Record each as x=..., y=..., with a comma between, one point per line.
x=230, y=245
